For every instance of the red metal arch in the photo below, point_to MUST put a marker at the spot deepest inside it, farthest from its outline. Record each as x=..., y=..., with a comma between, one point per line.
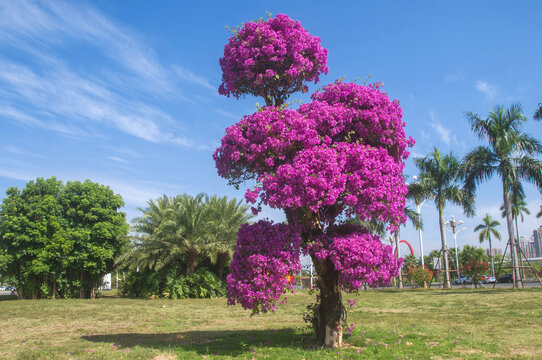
x=409, y=246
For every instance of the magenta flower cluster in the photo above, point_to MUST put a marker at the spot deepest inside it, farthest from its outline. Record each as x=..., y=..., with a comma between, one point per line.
x=334, y=150
x=359, y=258
x=273, y=54
x=265, y=255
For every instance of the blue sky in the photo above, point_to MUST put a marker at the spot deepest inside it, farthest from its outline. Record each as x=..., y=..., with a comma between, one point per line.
x=124, y=93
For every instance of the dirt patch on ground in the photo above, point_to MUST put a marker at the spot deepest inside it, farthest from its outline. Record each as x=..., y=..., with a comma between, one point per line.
x=526, y=351
x=165, y=357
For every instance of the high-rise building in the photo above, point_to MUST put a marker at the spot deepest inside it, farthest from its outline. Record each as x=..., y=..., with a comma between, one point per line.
x=495, y=252
x=537, y=235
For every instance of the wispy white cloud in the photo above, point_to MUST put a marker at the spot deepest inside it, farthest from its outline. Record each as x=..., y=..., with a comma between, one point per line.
x=189, y=76
x=20, y=152
x=112, y=92
x=444, y=133
x=490, y=91
x=16, y=175
x=70, y=96
x=453, y=77
x=117, y=159
x=228, y=114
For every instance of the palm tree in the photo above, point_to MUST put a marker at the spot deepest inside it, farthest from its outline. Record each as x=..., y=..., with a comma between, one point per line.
x=486, y=228
x=190, y=230
x=510, y=155
x=441, y=176
x=538, y=113
x=225, y=218
x=173, y=232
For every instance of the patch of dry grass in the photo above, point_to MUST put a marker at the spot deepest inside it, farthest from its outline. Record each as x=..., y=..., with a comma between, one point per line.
x=415, y=324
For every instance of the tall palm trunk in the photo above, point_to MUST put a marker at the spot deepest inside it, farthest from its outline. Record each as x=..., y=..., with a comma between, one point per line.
x=442, y=224
x=491, y=255
x=518, y=248
x=509, y=224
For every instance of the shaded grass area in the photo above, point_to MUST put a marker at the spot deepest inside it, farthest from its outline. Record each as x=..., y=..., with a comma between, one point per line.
x=389, y=324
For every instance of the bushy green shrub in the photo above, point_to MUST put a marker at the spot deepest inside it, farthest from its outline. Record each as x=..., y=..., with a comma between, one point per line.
x=202, y=284
x=172, y=285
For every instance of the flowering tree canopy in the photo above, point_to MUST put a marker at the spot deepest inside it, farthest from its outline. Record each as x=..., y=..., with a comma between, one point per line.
x=338, y=157
x=272, y=59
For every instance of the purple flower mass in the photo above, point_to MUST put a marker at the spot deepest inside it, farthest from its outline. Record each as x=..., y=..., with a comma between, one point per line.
x=337, y=157
x=265, y=254
x=277, y=54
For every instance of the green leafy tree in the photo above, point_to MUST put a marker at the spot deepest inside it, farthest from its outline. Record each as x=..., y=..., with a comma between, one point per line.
x=60, y=239
x=440, y=174
x=471, y=253
x=487, y=228
x=510, y=154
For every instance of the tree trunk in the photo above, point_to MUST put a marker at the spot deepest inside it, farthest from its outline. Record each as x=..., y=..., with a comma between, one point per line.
x=82, y=287
x=93, y=291
x=518, y=250
x=221, y=264
x=53, y=291
x=190, y=264
x=510, y=227
x=329, y=324
x=491, y=257
x=442, y=224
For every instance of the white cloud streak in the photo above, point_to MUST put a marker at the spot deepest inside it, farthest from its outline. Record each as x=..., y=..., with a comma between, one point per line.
x=487, y=89
x=50, y=86
x=444, y=133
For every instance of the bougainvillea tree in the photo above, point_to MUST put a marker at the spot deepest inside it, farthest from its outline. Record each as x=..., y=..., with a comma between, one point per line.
x=340, y=156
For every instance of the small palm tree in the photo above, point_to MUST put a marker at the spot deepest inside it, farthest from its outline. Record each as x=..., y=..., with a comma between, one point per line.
x=510, y=155
x=440, y=174
x=486, y=228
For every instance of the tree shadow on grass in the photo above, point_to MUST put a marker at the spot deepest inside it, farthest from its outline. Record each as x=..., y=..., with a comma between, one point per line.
x=223, y=342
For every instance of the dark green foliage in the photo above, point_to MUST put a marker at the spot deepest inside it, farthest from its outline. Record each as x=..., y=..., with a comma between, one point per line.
x=171, y=284
x=60, y=240
x=202, y=284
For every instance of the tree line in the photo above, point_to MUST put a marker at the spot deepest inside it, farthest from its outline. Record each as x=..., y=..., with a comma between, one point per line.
x=59, y=240
x=509, y=153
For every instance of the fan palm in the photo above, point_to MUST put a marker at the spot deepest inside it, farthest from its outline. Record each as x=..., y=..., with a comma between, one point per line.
x=486, y=228
x=440, y=174
x=510, y=155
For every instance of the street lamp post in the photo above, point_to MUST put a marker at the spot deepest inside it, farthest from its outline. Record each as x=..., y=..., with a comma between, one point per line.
x=453, y=224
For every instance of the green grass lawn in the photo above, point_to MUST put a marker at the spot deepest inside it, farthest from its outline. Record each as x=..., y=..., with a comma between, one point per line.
x=390, y=324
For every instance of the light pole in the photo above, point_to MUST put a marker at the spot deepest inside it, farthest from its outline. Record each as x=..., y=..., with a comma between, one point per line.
x=453, y=224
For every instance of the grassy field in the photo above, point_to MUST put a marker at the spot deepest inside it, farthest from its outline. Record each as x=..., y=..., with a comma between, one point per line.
x=389, y=324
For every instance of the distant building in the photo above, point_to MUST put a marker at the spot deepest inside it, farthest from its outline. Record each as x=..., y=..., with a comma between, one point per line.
x=495, y=252
x=537, y=235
